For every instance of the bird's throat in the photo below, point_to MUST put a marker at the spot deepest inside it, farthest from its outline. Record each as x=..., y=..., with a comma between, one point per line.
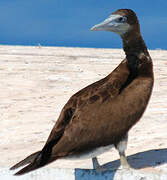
x=133, y=47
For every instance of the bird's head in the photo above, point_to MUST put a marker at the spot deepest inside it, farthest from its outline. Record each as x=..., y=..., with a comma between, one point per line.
x=122, y=21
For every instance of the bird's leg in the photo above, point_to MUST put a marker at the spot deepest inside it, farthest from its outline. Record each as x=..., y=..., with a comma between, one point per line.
x=121, y=147
x=96, y=165
x=95, y=162
x=124, y=162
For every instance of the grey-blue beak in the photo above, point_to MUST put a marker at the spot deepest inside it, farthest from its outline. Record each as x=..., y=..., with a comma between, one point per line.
x=114, y=23
x=107, y=24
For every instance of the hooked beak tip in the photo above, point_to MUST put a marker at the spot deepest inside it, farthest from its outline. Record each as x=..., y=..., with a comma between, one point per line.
x=93, y=28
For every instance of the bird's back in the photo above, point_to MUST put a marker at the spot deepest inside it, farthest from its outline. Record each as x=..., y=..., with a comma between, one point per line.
x=104, y=108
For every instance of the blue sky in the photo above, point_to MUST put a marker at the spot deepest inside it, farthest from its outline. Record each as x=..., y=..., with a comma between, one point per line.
x=68, y=22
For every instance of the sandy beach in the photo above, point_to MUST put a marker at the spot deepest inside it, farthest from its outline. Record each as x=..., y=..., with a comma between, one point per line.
x=35, y=84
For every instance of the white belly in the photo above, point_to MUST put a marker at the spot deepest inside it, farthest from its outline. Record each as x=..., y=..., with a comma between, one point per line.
x=90, y=154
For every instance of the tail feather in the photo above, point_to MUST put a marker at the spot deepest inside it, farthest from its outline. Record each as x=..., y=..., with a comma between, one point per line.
x=36, y=161
x=25, y=161
x=28, y=168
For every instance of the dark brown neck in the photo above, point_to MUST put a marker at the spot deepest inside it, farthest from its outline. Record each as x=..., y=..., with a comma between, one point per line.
x=134, y=46
x=135, y=49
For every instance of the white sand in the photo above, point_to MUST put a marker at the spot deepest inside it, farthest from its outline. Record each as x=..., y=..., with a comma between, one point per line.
x=36, y=82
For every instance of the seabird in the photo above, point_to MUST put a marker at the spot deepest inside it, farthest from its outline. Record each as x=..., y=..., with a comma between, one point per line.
x=100, y=115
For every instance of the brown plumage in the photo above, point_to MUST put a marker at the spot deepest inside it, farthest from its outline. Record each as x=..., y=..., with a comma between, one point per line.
x=102, y=113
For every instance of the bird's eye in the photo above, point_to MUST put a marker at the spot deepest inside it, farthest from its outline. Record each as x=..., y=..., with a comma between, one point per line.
x=122, y=19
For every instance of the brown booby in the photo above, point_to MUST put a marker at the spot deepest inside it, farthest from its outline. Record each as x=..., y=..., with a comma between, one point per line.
x=100, y=115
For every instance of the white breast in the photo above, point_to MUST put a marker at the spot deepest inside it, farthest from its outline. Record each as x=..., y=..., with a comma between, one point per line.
x=90, y=154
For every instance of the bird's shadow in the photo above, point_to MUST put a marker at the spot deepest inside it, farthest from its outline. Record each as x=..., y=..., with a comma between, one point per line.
x=151, y=158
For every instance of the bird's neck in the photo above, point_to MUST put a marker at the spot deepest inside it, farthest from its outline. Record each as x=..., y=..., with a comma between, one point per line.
x=134, y=47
